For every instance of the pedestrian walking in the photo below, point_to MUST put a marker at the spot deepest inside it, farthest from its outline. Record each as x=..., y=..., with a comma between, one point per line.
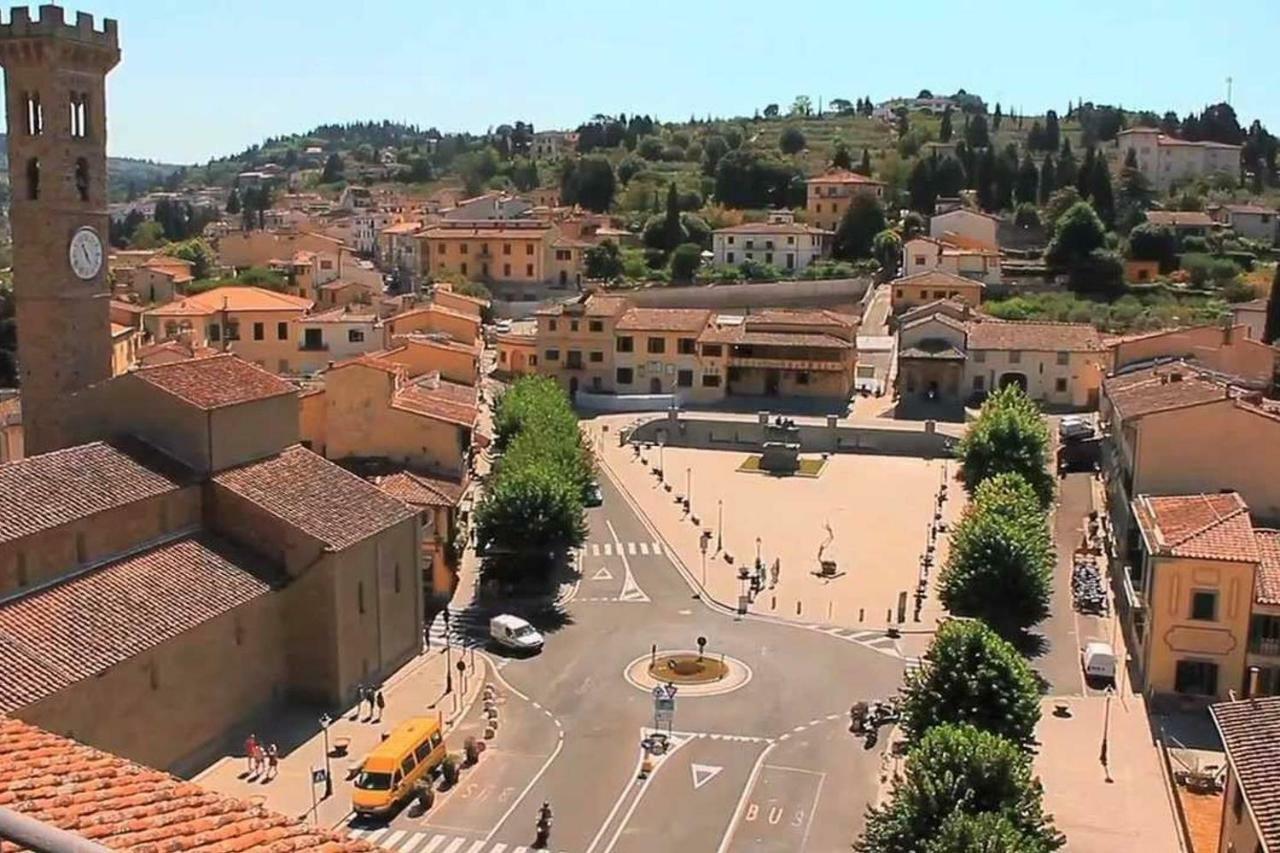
x=382, y=704
x=250, y=751
x=273, y=761
x=257, y=760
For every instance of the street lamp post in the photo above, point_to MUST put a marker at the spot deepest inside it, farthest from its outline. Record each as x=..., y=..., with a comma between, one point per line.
x=325, y=722
x=1106, y=728
x=720, y=527
x=448, y=648
x=688, y=488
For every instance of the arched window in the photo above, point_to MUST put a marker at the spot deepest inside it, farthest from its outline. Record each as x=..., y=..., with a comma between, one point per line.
x=82, y=178
x=79, y=106
x=35, y=114
x=33, y=178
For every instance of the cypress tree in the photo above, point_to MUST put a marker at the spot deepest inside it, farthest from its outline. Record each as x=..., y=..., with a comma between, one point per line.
x=1084, y=179
x=1028, y=181
x=1101, y=194
x=985, y=181
x=864, y=166
x=1048, y=178
x=1271, y=330
x=671, y=230
x=944, y=133
x=1066, y=166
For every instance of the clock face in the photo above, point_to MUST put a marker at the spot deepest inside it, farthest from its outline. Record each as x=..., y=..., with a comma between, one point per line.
x=85, y=253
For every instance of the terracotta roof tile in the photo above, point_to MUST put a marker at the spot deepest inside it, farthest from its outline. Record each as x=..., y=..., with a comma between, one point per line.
x=51, y=489
x=440, y=399
x=741, y=334
x=1207, y=526
x=233, y=298
x=125, y=806
x=663, y=320
x=1034, y=337
x=1180, y=218
x=214, y=382
x=1145, y=392
x=315, y=496
x=773, y=228
x=420, y=490
x=1250, y=732
x=786, y=317
x=937, y=278
x=843, y=176
x=1267, y=589
x=57, y=635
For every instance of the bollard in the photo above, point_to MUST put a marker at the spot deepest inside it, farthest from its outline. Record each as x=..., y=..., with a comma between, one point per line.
x=797, y=608
x=862, y=612
x=489, y=733
x=773, y=602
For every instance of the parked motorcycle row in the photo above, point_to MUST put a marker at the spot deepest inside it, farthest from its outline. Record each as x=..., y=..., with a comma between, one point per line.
x=1087, y=590
x=866, y=719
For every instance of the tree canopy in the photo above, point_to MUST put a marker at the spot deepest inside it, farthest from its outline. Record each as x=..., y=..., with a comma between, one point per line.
x=1076, y=233
x=1009, y=435
x=858, y=228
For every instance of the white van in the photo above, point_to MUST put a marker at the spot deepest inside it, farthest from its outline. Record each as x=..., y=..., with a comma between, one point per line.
x=1099, y=661
x=514, y=633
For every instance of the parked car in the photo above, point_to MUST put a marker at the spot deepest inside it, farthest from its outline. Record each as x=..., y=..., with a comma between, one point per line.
x=512, y=632
x=593, y=495
x=1075, y=427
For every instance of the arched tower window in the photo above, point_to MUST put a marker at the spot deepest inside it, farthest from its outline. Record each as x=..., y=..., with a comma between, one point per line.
x=82, y=178
x=35, y=114
x=79, y=106
x=33, y=178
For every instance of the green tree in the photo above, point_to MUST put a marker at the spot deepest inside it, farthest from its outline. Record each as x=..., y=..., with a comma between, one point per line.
x=1076, y=233
x=920, y=188
x=1067, y=168
x=949, y=177
x=148, y=235
x=589, y=182
x=988, y=832
x=771, y=111
x=985, y=180
x=672, y=232
x=1060, y=201
x=841, y=159
x=1010, y=435
x=332, y=172
x=1101, y=195
x=1133, y=195
x=864, y=165
x=1149, y=242
x=887, y=250
x=1027, y=184
x=945, y=131
x=198, y=252
x=791, y=141
x=1052, y=131
x=603, y=261
x=631, y=166
x=713, y=148
x=1271, y=330
x=959, y=769
x=976, y=134
x=858, y=228
x=233, y=201
x=1048, y=180
x=261, y=277
x=685, y=260
x=971, y=674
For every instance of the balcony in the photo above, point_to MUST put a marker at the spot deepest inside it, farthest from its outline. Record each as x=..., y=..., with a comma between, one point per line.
x=786, y=363
x=1266, y=646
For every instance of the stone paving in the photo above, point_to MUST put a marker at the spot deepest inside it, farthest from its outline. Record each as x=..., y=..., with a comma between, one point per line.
x=870, y=514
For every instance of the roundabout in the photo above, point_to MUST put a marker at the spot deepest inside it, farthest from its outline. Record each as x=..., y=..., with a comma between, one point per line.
x=694, y=673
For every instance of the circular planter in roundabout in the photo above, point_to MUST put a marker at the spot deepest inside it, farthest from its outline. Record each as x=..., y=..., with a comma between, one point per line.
x=693, y=673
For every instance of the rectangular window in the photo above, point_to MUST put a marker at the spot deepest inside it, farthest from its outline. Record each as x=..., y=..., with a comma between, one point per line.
x=728, y=258
x=791, y=261
x=791, y=241
x=355, y=336
x=282, y=331
x=528, y=270
x=687, y=346
x=980, y=356
x=802, y=377
x=312, y=339
x=684, y=378
x=552, y=355
x=1196, y=677
x=1015, y=356
x=462, y=247
x=573, y=325
x=506, y=248
x=730, y=239
x=551, y=325
x=625, y=344
x=259, y=332
x=597, y=356
x=710, y=380
x=979, y=383
x=506, y=270
x=657, y=346
x=711, y=350
x=215, y=332
x=918, y=260
x=1064, y=358
x=768, y=257
x=624, y=375
x=1204, y=605
x=1060, y=385
x=528, y=248
x=462, y=268
x=595, y=326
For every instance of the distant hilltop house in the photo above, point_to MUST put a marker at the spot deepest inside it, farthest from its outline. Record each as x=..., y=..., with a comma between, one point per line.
x=1165, y=159
x=781, y=241
x=886, y=109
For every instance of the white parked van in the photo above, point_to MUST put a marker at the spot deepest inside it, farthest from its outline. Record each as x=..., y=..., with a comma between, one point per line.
x=514, y=633
x=1099, y=662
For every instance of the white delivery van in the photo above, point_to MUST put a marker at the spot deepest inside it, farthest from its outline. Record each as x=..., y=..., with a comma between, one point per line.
x=514, y=633
x=1099, y=662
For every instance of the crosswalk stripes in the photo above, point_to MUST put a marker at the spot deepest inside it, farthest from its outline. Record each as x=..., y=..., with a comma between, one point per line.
x=465, y=628
x=426, y=841
x=632, y=549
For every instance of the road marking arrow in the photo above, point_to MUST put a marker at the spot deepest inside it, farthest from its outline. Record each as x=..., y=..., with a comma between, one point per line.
x=602, y=575
x=703, y=773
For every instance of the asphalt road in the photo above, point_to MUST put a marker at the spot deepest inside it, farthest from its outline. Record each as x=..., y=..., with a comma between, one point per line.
x=770, y=766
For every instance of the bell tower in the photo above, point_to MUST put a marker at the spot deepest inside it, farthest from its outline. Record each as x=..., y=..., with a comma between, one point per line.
x=55, y=96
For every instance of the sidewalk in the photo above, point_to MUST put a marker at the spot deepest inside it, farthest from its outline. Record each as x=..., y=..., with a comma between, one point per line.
x=1131, y=812
x=868, y=513
x=417, y=689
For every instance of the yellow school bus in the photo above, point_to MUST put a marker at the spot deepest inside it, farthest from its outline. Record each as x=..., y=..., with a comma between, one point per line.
x=388, y=774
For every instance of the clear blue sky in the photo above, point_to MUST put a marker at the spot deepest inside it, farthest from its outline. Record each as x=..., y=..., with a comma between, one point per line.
x=200, y=79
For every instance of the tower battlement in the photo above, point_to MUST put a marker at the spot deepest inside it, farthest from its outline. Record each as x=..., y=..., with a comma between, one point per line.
x=51, y=22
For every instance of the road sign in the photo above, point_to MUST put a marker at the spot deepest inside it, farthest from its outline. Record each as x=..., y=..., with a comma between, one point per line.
x=461, y=665
x=317, y=776
x=703, y=773
x=743, y=602
x=702, y=644
x=663, y=717
x=602, y=575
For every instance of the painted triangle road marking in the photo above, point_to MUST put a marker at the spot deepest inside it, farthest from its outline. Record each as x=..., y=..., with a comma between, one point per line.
x=703, y=773
x=631, y=590
x=602, y=575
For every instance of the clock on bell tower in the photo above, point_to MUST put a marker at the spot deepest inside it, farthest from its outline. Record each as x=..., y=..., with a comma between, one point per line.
x=55, y=96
